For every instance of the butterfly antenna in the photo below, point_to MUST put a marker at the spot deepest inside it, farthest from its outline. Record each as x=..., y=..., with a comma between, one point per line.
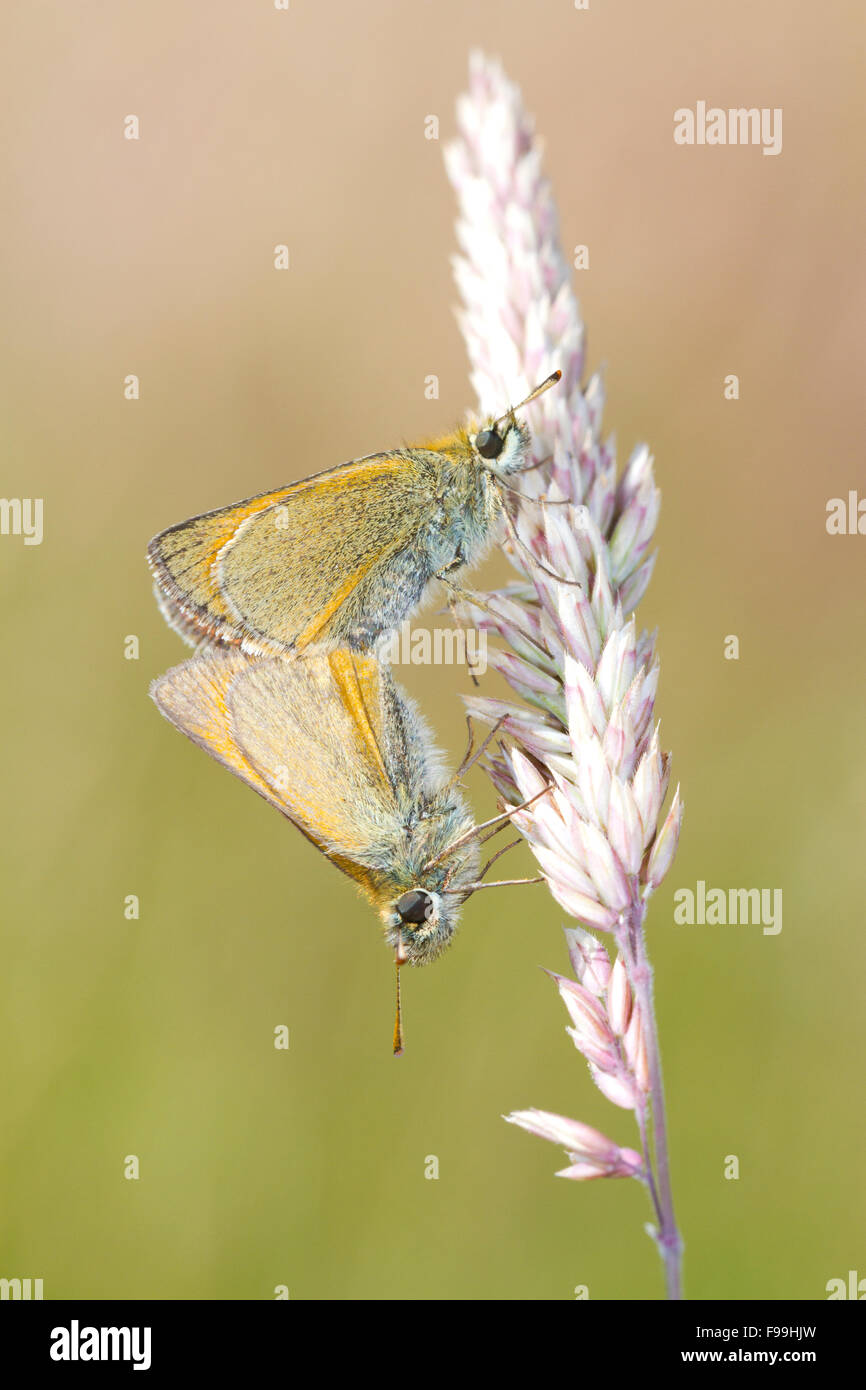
x=533, y=395
x=398, y=1017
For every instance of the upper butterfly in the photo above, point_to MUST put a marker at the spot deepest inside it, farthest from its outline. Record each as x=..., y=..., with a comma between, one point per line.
x=341, y=558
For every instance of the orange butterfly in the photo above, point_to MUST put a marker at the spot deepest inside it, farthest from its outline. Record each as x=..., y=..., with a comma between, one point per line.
x=341, y=558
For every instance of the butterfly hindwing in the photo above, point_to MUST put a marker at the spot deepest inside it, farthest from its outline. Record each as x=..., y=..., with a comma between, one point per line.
x=317, y=750
x=305, y=733
x=193, y=697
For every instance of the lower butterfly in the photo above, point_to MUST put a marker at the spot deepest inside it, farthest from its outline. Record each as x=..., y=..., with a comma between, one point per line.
x=334, y=744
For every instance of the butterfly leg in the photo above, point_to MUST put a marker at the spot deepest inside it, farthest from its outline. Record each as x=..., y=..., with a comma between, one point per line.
x=472, y=758
x=461, y=628
x=500, y=883
x=466, y=596
x=521, y=545
x=455, y=592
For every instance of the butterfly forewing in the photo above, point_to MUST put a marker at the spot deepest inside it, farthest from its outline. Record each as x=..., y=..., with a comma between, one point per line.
x=276, y=571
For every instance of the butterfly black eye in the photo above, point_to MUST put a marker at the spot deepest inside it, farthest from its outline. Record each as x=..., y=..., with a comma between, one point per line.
x=414, y=907
x=489, y=444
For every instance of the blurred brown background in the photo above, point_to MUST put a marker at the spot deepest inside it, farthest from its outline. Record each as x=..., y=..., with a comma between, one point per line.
x=154, y=1037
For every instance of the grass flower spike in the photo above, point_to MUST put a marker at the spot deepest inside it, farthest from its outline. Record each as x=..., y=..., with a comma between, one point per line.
x=580, y=540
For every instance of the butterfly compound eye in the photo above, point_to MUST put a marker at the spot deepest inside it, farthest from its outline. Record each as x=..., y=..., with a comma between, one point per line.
x=489, y=444
x=414, y=907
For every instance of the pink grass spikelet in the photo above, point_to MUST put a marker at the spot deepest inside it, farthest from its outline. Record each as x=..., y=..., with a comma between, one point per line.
x=592, y=1154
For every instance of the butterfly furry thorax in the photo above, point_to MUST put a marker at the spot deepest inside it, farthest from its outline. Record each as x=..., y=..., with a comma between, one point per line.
x=409, y=858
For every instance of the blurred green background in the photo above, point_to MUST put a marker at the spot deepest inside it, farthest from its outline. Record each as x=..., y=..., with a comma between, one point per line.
x=155, y=1037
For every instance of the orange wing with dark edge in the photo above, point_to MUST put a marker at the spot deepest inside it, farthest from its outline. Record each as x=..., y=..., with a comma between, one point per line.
x=272, y=571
